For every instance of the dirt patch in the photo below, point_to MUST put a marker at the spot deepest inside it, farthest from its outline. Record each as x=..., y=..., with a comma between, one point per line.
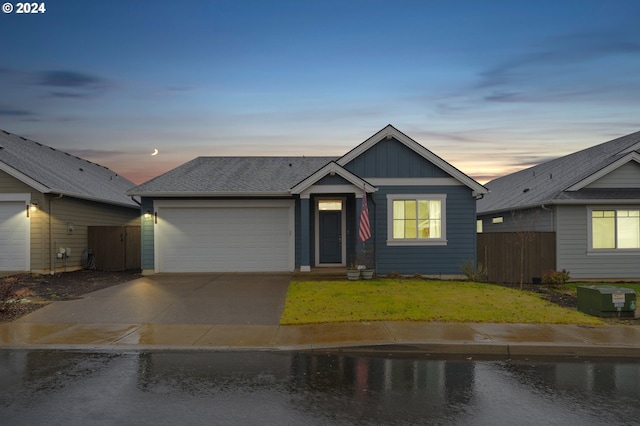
x=24, y=293
x=549, y=293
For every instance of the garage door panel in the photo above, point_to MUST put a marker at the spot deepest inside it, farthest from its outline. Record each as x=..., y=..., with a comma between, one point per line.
x=225, y=239
x=14, y=236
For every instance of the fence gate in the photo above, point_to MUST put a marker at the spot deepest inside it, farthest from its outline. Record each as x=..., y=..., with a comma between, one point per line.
x=500, y=253
x=115, y=248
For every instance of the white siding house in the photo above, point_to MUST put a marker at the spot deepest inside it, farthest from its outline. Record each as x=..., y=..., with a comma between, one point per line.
x=590, y=199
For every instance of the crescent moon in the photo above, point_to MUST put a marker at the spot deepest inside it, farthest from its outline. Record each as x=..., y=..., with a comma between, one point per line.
x=155, y=151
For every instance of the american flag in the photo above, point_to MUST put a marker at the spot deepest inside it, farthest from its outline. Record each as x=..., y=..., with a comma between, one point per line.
x=364, y=231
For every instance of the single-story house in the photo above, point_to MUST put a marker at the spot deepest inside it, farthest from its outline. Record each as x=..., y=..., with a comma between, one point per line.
x=591, y=201
x=48, y=199
x=294, y=213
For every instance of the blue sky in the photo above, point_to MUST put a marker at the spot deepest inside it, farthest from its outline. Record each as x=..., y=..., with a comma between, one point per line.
x=490, y=86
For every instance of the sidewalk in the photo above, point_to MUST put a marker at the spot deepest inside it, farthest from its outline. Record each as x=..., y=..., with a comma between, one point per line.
x=242, y=312
x=470, y=339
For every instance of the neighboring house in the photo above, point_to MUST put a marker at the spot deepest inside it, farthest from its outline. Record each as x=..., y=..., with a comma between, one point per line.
x=48, y=198
x=590, y=199
x=285, y=213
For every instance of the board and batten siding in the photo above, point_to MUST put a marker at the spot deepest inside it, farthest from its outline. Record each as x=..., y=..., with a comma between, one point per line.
x=392, y=159
x=442, y=261
x=573, y=252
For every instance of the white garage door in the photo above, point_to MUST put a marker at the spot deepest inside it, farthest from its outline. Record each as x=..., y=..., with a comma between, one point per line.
x=225, y=237
x=14, y=236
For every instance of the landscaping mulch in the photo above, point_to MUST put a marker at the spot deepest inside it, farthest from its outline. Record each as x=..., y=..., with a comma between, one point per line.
x=33, y=291
x=549, y=293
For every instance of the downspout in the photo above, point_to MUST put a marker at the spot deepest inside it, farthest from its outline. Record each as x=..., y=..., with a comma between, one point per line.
x=52, y=261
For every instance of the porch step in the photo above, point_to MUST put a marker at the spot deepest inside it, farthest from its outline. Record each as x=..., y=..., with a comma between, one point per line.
x=320, y=274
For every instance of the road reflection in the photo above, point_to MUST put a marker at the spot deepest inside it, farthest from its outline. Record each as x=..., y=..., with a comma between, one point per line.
x=309, y=388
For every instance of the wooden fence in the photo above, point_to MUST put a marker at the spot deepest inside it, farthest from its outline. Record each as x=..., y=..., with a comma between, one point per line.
x=115, y=248
x=500, y=253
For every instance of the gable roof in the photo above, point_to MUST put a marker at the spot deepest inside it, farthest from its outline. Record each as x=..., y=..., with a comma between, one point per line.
x=232, y=176
x=557, y=181
x=391, y=132
x=276, y=176
x=50, y=171
x=333, y=168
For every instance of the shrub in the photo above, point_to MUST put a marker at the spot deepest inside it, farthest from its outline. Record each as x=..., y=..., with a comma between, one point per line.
x=556, y=277
x=473, y=272
x=10, y=296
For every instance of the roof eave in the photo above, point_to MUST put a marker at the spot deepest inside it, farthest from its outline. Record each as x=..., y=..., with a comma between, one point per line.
x=335, y=168
x=24, y=178
x=632, y=156
x=200, y=194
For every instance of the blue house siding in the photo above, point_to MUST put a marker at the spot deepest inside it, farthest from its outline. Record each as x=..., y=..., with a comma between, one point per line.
x=392, y=159
x=437, y=260
x=387, y=163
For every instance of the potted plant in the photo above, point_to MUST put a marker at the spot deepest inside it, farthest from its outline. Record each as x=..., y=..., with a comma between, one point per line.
x=366, y=264
x=353, y=272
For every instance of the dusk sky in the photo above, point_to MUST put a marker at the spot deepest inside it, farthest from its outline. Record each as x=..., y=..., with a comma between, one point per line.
x=489, y=86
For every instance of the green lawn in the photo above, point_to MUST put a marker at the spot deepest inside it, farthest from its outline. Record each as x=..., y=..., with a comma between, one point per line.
x=311, y=302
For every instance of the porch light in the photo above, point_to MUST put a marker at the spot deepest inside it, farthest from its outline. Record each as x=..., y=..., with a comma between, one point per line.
x=32, y=208
x=147, y=214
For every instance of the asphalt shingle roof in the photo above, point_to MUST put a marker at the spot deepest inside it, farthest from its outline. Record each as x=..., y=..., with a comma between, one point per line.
x=63, y=173
x=233, y=175
x=547, y=182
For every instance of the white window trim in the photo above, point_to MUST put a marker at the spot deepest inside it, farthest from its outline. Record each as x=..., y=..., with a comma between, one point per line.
x=606, y=251
x=442, y=241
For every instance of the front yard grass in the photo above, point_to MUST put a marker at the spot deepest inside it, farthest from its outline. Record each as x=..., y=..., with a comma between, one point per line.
x=312, y=302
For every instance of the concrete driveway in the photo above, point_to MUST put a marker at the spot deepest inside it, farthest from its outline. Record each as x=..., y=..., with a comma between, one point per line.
x=218, y=299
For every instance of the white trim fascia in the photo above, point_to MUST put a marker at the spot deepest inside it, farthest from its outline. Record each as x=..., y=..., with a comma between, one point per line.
x=331, y=189
x=414, y=182
x=583, y=202
x=607, y=202
x=221, y=203
x=390, y=131
x=632, y=156
x=24, y=178
x=332, y=168
x=210, y=194
x=634, y=147
x=17, y=196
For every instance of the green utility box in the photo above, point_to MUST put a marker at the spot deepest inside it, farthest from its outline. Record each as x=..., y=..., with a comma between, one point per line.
x=606, y=301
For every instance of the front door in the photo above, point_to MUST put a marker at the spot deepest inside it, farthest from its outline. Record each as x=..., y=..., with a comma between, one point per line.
x=330, y=246
x=330, y=238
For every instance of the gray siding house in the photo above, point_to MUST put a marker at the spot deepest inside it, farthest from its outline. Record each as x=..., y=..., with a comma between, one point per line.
x=48, y=201
x=590, y=199
x=294, y=213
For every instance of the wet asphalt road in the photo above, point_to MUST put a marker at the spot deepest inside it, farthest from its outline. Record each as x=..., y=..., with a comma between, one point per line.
x=285, y=388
